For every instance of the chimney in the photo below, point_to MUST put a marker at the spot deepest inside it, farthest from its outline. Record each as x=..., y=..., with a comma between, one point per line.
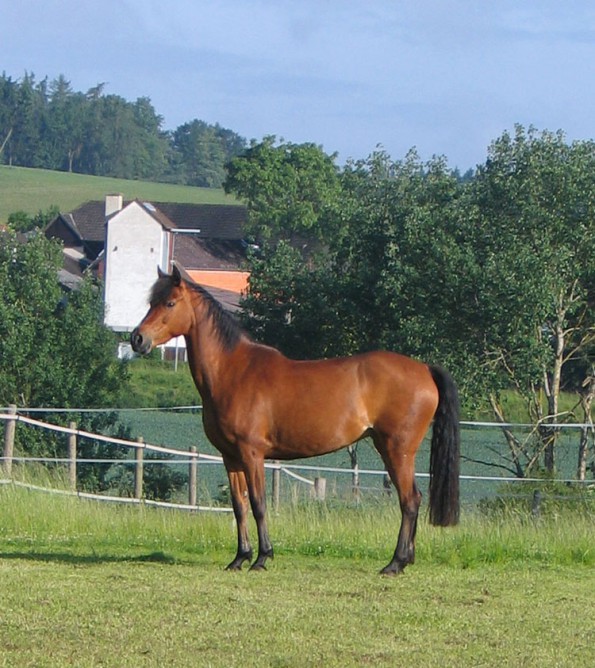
x=113, y=204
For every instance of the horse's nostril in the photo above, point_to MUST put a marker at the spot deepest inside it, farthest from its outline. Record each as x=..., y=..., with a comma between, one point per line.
x=136, y=340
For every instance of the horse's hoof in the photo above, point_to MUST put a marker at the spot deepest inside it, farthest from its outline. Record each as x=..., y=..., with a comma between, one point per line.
x=392, y=570
x=258, y=567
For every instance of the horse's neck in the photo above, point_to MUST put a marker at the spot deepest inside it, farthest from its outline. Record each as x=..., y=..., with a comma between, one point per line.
x=207, y=359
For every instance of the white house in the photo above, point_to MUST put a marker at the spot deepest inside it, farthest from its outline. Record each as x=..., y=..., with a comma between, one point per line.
x=125, y=243
x=138, y=240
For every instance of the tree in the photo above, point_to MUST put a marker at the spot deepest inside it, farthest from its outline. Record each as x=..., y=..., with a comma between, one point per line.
x=292, y=194
x=533, y=230
x=54, y=349
x=200, y=152
x=491, y=276
x=20, y=221
x=291, y=190
x=8, y=96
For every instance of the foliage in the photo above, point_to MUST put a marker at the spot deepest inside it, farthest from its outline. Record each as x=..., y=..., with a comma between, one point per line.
x=287, y=303
x=47, y=124
x=160, y=482
x=20, y=221
x=201, y=151
x=533, y=235
x=491, y=276
x=54, y=350
x=291, y=190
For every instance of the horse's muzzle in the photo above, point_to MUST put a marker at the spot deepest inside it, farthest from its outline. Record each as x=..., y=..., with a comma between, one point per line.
x=139, y=343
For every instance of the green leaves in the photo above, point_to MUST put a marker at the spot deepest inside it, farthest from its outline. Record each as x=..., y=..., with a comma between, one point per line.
x=492, y=276
x=54, y=349
x=289, y=189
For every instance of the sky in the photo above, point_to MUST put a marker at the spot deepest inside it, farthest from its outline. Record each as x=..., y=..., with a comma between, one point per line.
x=444, y=77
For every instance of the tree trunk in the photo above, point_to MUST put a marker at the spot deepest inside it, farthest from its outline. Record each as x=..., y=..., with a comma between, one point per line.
x=5, y=140
x=352, y=450
x=588, y=429
x=548, y=433
x=513, y=443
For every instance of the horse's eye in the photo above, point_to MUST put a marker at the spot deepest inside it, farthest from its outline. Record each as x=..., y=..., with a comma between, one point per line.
x=170, y=304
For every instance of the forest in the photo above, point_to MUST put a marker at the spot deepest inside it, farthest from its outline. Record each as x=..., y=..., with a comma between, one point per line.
x=46, y=124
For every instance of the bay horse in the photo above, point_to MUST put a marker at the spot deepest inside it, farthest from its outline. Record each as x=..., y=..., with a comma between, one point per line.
x=259, y=404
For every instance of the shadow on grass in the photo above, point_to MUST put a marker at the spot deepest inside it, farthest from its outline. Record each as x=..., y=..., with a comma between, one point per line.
x=89, y=559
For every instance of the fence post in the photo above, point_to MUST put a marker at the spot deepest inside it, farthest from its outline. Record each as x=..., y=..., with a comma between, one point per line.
x=320, y=489
x=9, y=431
x=138, y=470
x=72, y=457
x=355, y=484
x=276, y=485
x=192, y=477
x=536, y=504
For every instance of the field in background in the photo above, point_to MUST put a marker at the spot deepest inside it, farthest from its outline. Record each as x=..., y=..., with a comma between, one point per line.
x=34, y=190
x=88, y=584
x=481, y=448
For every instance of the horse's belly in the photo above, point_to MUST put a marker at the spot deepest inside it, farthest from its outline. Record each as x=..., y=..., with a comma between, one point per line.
x=310, y=440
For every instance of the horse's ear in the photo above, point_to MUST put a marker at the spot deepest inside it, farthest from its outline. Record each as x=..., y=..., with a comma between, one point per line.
x=176, y=275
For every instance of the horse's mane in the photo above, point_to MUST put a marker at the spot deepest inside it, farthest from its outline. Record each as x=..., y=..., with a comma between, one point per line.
x=227, y=328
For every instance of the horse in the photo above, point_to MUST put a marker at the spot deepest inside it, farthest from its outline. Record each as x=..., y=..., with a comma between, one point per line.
x=259, y=404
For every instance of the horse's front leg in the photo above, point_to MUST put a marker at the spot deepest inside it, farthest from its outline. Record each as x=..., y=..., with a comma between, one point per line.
x=257, y=490
x=239, y=500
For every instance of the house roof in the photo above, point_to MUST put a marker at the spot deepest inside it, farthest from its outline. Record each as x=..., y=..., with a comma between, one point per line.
x=220, y=221
x=194, y=252
x=216, y=246
x=88, y=221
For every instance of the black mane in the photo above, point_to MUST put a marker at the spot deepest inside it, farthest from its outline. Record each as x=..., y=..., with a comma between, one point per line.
x=226, y=326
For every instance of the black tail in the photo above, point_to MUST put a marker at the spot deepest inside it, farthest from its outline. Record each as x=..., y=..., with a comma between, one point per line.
x=445, y=452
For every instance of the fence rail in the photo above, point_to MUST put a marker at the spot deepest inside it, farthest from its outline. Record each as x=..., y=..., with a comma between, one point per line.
x=192, y=457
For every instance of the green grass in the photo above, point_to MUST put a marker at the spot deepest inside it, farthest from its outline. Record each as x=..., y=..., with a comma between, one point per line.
x=34, y=190
x=154, y=383
x=86, y=584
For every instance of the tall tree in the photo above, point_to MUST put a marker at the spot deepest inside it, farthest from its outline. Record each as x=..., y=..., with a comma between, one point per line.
x=291, y=190
x=534, y=238
x=200, y=152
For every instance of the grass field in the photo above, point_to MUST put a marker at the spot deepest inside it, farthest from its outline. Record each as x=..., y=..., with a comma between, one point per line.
x=33, y=190
x=96, y=585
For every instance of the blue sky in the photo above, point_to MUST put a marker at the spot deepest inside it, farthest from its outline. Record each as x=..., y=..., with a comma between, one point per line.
x=446, y=77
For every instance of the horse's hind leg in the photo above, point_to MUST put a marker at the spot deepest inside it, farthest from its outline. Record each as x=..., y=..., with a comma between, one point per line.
x=239, y=500
x=400, y=464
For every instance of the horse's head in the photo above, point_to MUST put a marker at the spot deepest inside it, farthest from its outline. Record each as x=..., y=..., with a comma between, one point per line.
x=170, y=313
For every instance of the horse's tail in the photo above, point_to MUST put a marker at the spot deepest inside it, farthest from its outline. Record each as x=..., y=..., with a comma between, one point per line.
x=445, y=451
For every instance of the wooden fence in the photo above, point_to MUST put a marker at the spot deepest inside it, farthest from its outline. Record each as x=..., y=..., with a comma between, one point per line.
x=191, y=457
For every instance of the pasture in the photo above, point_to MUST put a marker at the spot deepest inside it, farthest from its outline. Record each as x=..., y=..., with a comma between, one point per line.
x=33, y=190
x=89, y=584
x=481, y=449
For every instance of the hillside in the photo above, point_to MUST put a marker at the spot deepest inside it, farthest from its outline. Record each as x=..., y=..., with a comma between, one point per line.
x=32, y=190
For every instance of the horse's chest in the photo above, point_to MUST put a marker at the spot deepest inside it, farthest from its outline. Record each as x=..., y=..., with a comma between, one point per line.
x=227, y=429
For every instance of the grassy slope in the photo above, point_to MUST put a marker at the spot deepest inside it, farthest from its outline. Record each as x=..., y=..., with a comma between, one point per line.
x=86, y=585
x=32, y=190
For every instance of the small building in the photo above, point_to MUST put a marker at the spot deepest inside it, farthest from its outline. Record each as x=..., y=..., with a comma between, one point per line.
x=125, y=242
